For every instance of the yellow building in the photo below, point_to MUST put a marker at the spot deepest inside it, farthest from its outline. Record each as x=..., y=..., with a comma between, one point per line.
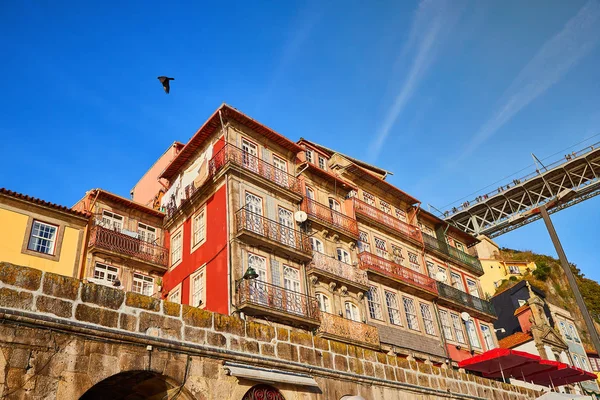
x=40, y=234
x=496, y=270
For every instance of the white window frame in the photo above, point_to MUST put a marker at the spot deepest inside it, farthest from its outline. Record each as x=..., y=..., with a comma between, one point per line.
x=413, y=261
x=364, y=245
x=343, y=256
x=385, y=207
x=146, y=231
x=108, y=270
x=145, y=281
x=573, y=332
x=112, y=221
x=459, y=332
x=324, y=302
x=458, y=282
x=487, y=337
x=513, y=269
x=309, y=156
x=199, y=228
x=380, y=247
x=473, y=289
x=198, y=295
x=393, y=307
x=38, y=242
x=176, y=251
x=369, y=198
x=410, y=310
x=317, y=245
x=175, y=295
x=446, y=325
x=472, y=332
x=428, y=321
x=322, y=163
x=352, y=311
x=374, y=303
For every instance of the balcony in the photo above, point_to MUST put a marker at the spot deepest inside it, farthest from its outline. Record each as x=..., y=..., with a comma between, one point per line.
x=349, y=331
x=455, y=255
x=388, y=222
x=260, y=298
x=246, y=162
x=330, y=218
x=409, y=280
x=259, y=230
x=454, y=297
x=331, y=269
x=120, y=244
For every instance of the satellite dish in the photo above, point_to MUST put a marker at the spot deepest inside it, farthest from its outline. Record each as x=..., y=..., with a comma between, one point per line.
x=465, y=316
x=300, y=216
x=440, y=276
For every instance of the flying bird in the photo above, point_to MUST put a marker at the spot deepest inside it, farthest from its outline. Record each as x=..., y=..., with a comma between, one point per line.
x=165, y=82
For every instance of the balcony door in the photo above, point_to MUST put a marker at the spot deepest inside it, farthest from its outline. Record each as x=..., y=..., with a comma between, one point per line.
x=291, y=282
x=249, y=155
x=259, y=289
x=254, y=213
x=336, y=210
x=311, y=202
x=286, y=222
x=281, y=176
x=381, y=248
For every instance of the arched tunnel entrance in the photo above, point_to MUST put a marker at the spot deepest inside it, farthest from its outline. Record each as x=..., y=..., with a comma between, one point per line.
x=136, y=385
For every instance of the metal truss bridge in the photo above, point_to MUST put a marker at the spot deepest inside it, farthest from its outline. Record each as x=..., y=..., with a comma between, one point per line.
x=562, y=184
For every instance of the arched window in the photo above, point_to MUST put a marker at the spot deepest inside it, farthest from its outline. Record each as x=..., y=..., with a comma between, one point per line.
x=352, y=311
x=316, y=245
x=343, y=256
x=324, y=304
x=263, y=392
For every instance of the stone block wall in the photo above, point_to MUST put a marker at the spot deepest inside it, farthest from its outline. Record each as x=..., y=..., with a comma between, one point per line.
x=106, y=319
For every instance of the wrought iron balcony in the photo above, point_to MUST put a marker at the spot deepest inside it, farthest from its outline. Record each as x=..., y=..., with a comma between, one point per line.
x=125, y=245
x=262, y=298
x=249, y=162
x=456, y=255
x=483, y=308
x=387, y=220
x=330, y=217
x=347, y=330
x=333, y=268
x=255, y=224
x=406, y=276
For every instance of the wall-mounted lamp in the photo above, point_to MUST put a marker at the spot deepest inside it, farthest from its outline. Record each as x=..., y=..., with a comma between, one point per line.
x=250, y=274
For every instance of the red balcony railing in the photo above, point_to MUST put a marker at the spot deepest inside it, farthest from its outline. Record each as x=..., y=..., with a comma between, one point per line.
x=326, y=214
x=335, y=267
x=280, y=299
x=348, y=330
x=248, y=221
x=241, y=158
x=127, y=245
x=393, y=270
x=412, y=232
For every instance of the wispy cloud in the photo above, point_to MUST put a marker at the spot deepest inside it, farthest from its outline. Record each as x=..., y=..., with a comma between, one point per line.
x=549, y=65
x=431, y=23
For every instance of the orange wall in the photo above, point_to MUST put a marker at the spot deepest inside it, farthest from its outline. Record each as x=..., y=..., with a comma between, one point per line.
x=148, y=186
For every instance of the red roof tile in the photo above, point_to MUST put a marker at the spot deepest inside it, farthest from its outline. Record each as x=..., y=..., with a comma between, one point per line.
x=514, y=340
x=44, y=203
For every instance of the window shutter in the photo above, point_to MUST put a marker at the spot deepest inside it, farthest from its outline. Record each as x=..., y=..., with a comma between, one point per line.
x=275, y=275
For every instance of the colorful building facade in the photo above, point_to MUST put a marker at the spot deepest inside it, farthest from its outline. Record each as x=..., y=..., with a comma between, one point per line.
x=41, y=235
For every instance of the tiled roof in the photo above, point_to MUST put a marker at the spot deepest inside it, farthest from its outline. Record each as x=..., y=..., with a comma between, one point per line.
x=43, y=203
x=514, y=340
x=128, y=203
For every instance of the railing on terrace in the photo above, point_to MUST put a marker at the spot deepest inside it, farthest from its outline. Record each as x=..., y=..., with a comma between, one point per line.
x=393, y=270
x=246, y=220
x=456, y=254
x=264, y=294
x=335, y=267
x=344, y=328
x=451, y=293
x=241, y=158
x=410, y=231
x=335, y=218
x=127, y=245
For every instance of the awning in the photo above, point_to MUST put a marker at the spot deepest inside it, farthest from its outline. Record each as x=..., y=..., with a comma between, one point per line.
x=506, y=363
x=266, y=375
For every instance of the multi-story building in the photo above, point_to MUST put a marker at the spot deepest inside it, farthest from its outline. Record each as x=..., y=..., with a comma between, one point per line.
x=125, y=246
x=331, y=244
x=594, y=360
x=496, y=269
x=40, y=234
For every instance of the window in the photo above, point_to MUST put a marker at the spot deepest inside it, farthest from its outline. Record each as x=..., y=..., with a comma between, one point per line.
x=380, y=248
x=112, y=221
x=374, y=303
x=443, y=277
x=446, y=327
x=316, y=245
x=279, y=164
x=458, y=329
x=309, y=156
x=457, y=281
x=472, y=332
x=385, y=207
x=288, y=236
x=334, y=205
x=143, y=284
x=146, y=233
x=459, y=246
x=352, y=311
x=323, y=301
x=176, y=248
x=487, y=337
x=175, y=296
x=369, y=198
x=584, y=364
x=310, y=193
x=105, y=274
x=522, y=303
x=363, y=242
x=513, y=269
x=199, y=227
x=393, y=310
x=563, y=328
x=413, y=261
x=430, y=269
x=42, y=238
x=322, y=163
x=573, y=332
x=427, y=318
x=411, y=313
x=401, y=215
x=576, y=361
x=472, y=285
x=249, y=155
x=197, y=287
x=397, y=255
x=343, y=256
x=259, y=264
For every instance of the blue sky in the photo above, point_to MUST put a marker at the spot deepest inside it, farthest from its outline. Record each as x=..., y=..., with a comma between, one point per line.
x=449, y=95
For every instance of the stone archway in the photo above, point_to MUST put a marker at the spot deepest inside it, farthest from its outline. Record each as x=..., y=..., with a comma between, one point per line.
x=132, y=385
x=263, y=392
